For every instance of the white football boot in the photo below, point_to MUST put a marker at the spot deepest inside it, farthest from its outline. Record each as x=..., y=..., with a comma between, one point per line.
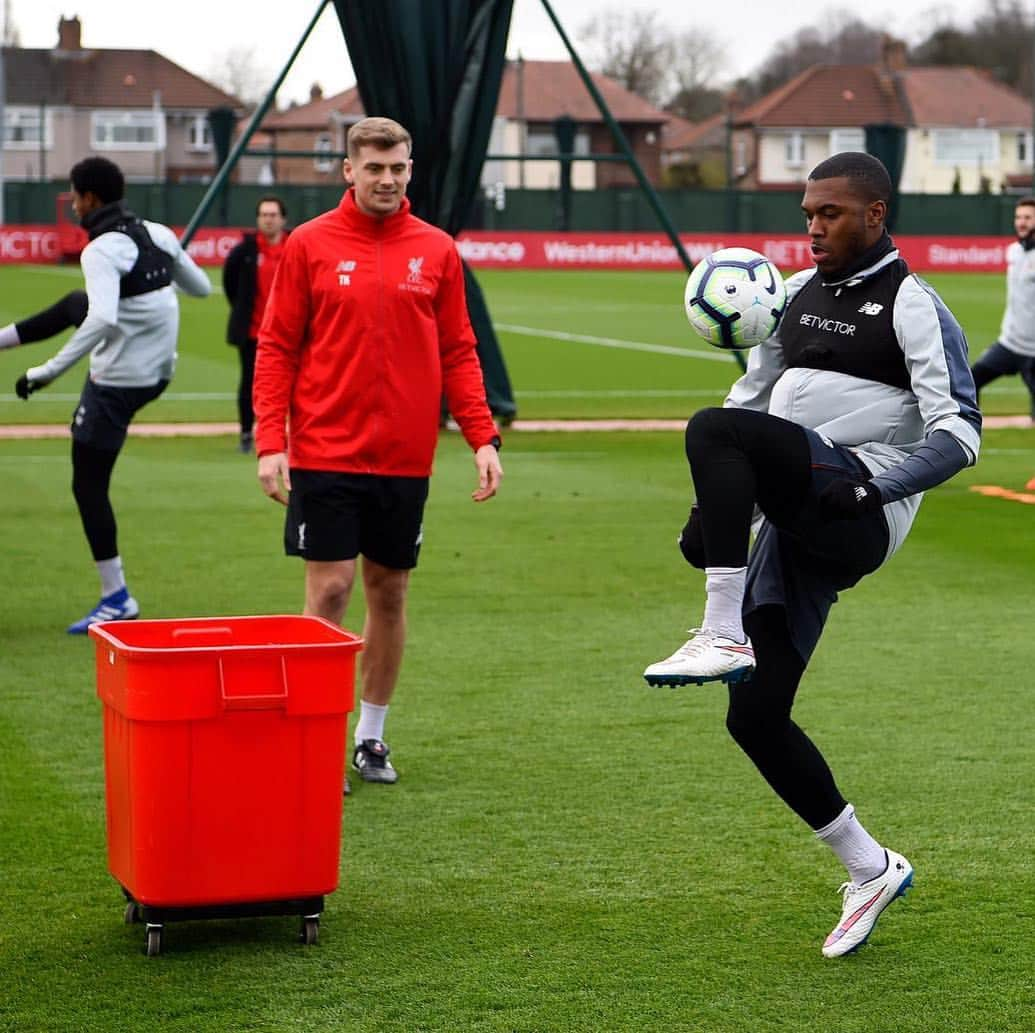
x=704, y=657
x=863, y=906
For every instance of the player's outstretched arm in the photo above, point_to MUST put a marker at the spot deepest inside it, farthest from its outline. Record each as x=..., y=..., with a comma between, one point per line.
x=490, y=473
x=275, y=476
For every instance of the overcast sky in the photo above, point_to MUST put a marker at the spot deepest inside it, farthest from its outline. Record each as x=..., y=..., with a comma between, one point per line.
x=197, y=34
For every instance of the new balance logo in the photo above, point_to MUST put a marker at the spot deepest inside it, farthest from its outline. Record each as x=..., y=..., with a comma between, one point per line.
x=871, y=308
x=343, y=271
x=860, y=493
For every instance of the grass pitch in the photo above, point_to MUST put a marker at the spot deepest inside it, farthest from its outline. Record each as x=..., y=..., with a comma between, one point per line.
x=566, y=850
x=577, y=345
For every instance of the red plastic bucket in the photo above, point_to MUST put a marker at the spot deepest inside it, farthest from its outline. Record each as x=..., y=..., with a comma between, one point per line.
x=224, y=755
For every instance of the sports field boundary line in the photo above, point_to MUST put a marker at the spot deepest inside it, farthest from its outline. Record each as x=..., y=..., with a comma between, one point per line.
x=15, y=431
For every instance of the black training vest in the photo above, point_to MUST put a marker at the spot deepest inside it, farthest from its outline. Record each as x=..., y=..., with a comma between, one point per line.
x=848, y=328
x=153, y=267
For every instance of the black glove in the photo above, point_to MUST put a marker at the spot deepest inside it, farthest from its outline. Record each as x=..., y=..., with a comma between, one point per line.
x=23, y=386
x=846, y=498
x=691, y=543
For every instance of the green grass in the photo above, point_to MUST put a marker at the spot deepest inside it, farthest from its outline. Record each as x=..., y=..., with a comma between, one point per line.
x=566, y=849
x=611, y=375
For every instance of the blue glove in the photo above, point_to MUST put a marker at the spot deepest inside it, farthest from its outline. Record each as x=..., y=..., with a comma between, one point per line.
x=846, y=498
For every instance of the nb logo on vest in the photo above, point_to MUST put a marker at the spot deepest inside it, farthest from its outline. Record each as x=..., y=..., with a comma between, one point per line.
x=344, y=269
x=871, y=308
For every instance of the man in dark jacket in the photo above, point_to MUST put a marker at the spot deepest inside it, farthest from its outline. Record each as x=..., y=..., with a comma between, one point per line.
x=247, y=277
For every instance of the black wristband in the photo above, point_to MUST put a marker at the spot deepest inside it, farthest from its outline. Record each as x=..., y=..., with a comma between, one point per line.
x=496, y=442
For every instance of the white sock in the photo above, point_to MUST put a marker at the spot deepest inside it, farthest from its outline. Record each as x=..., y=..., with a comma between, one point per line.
x=371, y=724
x=857, y=850
x=112, y=578
x=725, y=599
x=9, y=336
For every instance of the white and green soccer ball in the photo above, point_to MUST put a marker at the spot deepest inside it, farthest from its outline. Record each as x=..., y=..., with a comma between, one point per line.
x=735, y=297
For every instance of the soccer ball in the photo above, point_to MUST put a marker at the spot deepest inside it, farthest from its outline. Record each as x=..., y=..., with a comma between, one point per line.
x=735, y=297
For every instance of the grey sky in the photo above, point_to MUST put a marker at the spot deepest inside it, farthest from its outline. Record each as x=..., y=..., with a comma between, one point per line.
x=198, y=33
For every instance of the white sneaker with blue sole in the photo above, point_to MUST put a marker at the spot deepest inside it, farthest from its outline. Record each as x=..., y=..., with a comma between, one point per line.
x=704, y=657
x=119, y=606
x=864, y=903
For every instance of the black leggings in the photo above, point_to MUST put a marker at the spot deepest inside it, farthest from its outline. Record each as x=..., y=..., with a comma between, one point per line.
x=739, y=457
x=759, y=719
x=244, y=389
x=69, y=311
x=91, y=478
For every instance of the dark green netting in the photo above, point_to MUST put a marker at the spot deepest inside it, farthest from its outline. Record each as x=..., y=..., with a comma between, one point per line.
x=436, y=67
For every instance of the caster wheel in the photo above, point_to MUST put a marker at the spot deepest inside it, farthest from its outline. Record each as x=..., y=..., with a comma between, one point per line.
x=131, y=915
x=310, y=930
x=154, y=940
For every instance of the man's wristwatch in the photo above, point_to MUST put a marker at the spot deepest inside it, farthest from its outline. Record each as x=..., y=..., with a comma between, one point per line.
x=496, y=442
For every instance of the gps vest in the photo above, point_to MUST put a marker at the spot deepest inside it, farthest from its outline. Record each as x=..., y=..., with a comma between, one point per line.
x=153, y=267
x=848, y=328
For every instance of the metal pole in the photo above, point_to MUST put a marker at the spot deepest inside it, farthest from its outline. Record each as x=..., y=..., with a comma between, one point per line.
x=619, y=136
x=242, y=142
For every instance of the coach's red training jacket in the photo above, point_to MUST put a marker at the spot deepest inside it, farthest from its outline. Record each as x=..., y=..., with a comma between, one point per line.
x=365, y=327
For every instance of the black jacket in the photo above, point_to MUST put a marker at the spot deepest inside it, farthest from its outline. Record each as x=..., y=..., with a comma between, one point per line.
x=239, y=278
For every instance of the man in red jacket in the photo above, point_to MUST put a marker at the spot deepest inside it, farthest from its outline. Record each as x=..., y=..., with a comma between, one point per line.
x=366, y=327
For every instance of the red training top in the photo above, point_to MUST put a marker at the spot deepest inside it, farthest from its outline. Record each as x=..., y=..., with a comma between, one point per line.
x=365, y=327
x=265, y=267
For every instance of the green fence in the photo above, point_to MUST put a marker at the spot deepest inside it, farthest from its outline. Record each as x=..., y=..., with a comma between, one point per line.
x=707, y=211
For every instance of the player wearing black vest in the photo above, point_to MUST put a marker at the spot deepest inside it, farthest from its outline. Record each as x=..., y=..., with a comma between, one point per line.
x=860, y=402
x=129, y=326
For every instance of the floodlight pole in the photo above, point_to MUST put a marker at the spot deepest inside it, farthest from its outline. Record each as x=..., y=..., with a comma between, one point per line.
x=254, y=122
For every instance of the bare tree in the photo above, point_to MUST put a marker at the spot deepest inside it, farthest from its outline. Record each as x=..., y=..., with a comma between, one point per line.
x=240, y=73
x=841, y=40
x=631, y=47
x=699, y=65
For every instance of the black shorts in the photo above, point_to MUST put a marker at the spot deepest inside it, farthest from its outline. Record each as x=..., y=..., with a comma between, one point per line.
x=803, y=566
x=338, y=516
x=103, y=415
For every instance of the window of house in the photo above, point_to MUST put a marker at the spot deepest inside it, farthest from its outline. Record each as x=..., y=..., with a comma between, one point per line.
x=794, y=149
x=127, y=130
x=847, y=140
x=199, y=134
x=323, y=144
x=24, y=127
x=543, y=140
x=1024, y=148
x=965, y=146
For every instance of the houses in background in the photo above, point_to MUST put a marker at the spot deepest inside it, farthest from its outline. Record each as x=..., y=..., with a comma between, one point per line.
x=140, y=109
x=963, y=130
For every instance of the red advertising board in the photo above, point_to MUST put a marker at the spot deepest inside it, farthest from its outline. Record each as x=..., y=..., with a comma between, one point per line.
x=518, y=250
x=504, y=250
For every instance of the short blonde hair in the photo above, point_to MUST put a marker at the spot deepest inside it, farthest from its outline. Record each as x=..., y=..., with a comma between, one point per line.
x=382, y=133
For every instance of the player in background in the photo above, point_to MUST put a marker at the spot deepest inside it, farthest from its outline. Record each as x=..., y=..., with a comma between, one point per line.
x=1014, y=352
x=129, y=328
x=861, y=401
x=247, y=278
x=366, y=326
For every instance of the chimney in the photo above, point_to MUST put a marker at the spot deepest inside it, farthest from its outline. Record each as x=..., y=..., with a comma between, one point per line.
x=70, y=32
x=315, y=92
x=892, y=54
